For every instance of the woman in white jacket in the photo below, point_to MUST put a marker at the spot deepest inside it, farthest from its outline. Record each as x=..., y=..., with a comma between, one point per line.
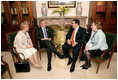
x=23, y=44
x=95, y=45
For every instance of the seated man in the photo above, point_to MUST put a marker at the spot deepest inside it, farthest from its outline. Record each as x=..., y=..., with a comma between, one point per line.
x=74, y=39
x=44, y=35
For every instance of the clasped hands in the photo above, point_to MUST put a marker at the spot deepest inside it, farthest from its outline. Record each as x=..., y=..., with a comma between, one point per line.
x=30, y=46
x=69, y=42
x=46, y=39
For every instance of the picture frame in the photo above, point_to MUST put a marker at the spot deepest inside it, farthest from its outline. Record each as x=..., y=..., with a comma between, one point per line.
x=56, y=4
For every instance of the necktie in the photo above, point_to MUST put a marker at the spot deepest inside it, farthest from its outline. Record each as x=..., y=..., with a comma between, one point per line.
x=94, y=35
x=45, y=33
x=73, y=37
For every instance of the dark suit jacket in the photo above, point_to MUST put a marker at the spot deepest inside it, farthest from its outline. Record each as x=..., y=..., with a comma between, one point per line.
x=80, y=35
x=39, y=34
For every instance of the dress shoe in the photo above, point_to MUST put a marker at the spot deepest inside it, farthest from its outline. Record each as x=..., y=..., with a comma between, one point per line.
x=72, y=68
x=83, y=65
x=65, y=56
x=87, y=66
x=69, y=62
x=49, y=67
x=86, y=63
x=61, y=56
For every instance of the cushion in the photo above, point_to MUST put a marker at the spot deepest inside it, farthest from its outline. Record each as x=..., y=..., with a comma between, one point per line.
x=11, y=38
x=106, y=56
x=110, y=38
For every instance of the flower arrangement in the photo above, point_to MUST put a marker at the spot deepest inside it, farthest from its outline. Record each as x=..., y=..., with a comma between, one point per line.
x=61, y=10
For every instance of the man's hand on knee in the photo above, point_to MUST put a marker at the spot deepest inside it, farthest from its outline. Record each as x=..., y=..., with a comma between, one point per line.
x=69, y=42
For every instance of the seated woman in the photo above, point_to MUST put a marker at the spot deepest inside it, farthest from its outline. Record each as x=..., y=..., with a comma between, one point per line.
x=23, y=44
x=95, y=45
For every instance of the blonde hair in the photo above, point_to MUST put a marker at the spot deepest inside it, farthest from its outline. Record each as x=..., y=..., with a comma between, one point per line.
x=98, y=24
x=24, y=25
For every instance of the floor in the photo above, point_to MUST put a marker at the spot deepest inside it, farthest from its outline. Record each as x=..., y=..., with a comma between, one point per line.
x=61, y=71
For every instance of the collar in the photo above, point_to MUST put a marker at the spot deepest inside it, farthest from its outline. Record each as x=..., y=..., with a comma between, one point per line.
x=77, y=28
x=43, y=28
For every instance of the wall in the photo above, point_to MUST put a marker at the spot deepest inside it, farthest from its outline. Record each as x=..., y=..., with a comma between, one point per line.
x=85, y=6
x=2, y=9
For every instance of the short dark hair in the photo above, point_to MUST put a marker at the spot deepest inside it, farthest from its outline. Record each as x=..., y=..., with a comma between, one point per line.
x=76, y=21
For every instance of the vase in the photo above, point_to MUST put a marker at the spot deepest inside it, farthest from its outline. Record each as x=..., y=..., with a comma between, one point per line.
x=79, y=9
x=62, y=14
x=44, y=9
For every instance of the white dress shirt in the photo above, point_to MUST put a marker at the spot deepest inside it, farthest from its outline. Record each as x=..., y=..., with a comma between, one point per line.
x=43, y=31
x=75, y=34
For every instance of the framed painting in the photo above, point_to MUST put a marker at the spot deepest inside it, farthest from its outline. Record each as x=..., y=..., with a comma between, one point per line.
x=56, y=4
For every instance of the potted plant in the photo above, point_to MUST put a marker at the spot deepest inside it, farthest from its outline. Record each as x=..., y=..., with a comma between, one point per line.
x=61, y=10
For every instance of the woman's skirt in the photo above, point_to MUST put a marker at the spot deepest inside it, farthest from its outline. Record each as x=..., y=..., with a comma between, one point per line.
x=28, y=52
x=96, y=52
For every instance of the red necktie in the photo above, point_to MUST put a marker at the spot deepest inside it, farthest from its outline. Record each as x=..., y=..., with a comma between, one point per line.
x=73, y=37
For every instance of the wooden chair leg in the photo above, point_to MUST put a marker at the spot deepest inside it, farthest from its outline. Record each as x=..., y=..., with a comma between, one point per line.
x=108, y=63
x=80, y=53
x=80, y=56
x=40, y=54
x=98, y=67
x=9, y=73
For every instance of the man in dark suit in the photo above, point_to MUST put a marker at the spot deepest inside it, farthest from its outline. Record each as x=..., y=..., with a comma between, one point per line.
x=74, y=39
x=45, y=36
